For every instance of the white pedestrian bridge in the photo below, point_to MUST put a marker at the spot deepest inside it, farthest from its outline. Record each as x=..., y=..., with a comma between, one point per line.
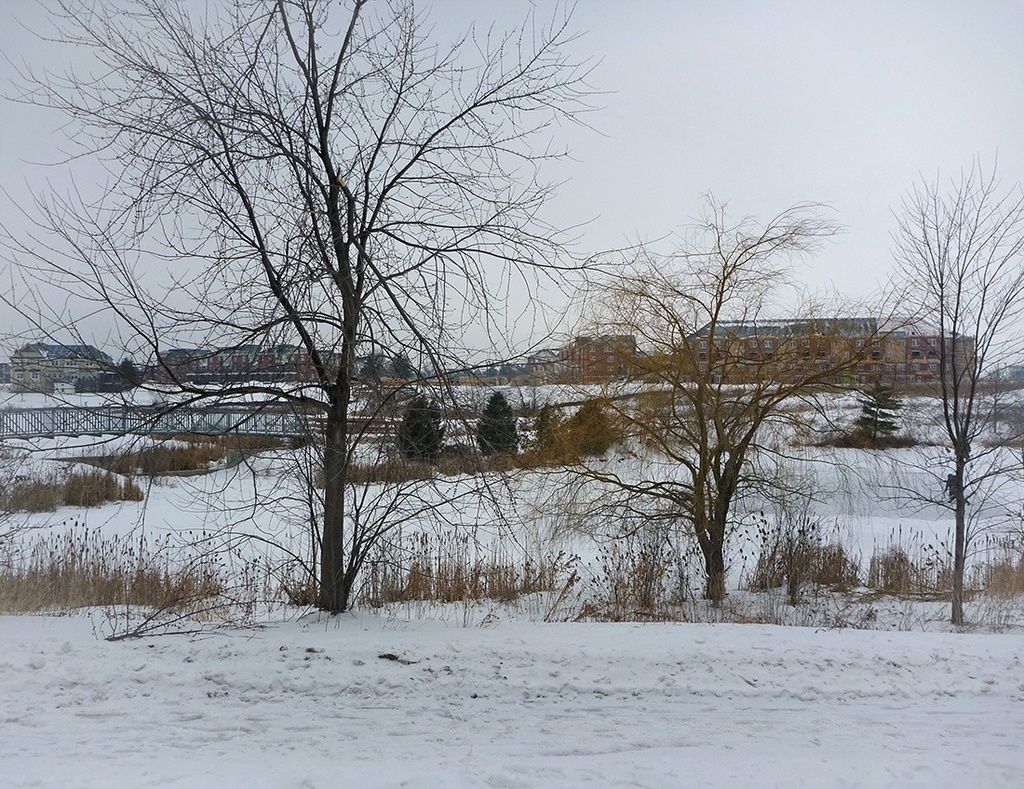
x=27, y=423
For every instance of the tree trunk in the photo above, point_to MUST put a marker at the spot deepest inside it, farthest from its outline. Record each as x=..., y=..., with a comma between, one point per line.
x=959, y=549
x=335, y=581
x=714, y=567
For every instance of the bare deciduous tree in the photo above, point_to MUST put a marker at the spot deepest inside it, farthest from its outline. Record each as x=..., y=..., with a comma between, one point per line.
x=721, y=366
x=312, y=173
x=961, y=251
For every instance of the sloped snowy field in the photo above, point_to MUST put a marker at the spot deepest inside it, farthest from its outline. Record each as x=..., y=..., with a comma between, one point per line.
x=366, y=702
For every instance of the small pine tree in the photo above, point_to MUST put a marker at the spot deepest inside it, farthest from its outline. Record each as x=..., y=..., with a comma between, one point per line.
x=129, y=373
x=879, y=408
x=372, y=366
x=421, y=433
x=403, y=367
x=496, y=431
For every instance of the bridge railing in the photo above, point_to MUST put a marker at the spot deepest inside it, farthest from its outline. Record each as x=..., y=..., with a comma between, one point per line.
x=155, y=420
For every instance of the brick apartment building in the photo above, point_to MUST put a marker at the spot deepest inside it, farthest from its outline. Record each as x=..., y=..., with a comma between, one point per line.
x=597, y=359
x=898, y=356
x=271, y=363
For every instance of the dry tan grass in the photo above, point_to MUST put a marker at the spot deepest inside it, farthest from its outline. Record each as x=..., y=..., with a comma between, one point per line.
x=795, y=555
x=187, y=453
x=91, y=488
x=635, y=582
x=80, y=569
x=77, y=489
x=1003, y=579
x=901, y=571
x=32, y=495
x=451, y=568
x=397, y=471
x=1002, y=573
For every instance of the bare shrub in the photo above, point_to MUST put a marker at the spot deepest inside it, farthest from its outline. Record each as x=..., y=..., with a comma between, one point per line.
x=557, y=441
x=591, y=431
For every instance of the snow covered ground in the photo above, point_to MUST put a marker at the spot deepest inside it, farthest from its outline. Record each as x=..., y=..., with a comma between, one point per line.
x=373, y=702
x=413, y=697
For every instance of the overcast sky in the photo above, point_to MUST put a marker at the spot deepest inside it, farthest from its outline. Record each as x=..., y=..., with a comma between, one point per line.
x=762, y=103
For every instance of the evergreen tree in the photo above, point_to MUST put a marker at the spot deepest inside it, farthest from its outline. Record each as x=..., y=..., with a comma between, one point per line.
x=371, y=367
x=421, y=433
x=403, y=367
x=496, y=431
x=879, y=408
x=129, y=373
